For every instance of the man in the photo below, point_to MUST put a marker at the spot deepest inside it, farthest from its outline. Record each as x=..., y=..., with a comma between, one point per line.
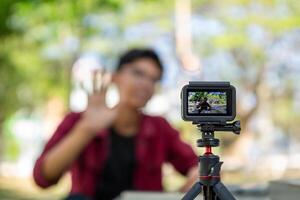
x=109, y=150
x=204, y=105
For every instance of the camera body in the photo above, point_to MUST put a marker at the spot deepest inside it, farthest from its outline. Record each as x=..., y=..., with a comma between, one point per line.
x=213, y=102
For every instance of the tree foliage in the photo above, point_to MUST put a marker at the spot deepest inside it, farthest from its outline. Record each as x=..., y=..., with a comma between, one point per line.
x=40, y=40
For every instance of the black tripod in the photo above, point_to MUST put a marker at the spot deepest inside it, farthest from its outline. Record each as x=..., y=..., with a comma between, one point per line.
x=210, y=165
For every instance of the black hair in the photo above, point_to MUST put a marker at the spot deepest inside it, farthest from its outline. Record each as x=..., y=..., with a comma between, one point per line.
x=136, y=54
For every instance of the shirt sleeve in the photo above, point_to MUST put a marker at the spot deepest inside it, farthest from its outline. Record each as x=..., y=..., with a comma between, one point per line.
x=179, y=153
x=62, y=130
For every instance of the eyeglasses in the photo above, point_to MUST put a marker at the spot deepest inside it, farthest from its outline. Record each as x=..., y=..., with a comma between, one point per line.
x=140, y=75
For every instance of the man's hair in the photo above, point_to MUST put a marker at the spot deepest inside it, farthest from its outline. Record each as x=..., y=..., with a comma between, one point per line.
x=133, y=55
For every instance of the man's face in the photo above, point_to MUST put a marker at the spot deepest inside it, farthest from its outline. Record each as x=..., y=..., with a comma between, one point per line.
x=136, y=82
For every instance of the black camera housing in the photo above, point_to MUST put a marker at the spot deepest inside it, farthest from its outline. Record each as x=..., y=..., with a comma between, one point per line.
x=222, y=113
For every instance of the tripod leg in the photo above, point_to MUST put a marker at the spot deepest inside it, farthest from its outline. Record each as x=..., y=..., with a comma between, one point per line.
x=222, y=192
x=208, y=193
x=193, y=192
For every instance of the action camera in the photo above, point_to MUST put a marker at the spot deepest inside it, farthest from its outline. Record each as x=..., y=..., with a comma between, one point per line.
x=208, y=102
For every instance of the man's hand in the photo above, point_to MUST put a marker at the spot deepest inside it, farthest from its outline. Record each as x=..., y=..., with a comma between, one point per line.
x=192, y=177
x=97, y=115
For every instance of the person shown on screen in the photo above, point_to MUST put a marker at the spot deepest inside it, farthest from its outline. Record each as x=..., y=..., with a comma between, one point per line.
x=204, y=105
x=110, y=150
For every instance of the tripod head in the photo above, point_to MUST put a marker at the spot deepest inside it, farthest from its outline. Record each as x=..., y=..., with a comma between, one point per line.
x=208, y=128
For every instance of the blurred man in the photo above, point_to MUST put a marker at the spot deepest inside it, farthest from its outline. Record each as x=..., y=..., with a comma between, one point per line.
x=109, y=150
x=203, y=105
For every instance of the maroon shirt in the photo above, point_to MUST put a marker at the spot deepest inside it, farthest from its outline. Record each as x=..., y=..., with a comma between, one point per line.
x=156, y=143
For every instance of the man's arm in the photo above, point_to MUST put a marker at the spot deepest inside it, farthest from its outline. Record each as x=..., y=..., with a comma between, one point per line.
x=40, y=176
x=60, y=157
x=181, y=155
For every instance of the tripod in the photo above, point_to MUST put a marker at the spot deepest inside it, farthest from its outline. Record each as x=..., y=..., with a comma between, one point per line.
x=210, y=165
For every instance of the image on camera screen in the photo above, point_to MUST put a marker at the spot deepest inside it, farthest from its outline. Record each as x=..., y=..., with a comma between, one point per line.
x=207, y=102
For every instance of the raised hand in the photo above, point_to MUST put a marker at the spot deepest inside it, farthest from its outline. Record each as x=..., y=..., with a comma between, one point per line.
x=95, y=118
x=98, y=115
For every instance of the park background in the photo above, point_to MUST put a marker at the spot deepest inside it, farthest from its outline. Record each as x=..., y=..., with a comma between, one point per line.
x=47, y=48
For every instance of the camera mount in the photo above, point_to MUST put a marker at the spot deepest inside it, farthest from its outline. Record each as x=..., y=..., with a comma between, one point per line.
x=208, y=130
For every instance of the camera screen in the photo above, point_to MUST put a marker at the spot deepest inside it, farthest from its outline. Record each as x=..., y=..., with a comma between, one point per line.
x=207, y=102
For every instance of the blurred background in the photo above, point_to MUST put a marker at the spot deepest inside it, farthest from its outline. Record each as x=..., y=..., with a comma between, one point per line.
x=49, y=48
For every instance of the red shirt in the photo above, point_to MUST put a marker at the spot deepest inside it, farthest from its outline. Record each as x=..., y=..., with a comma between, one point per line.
x=155, y=143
